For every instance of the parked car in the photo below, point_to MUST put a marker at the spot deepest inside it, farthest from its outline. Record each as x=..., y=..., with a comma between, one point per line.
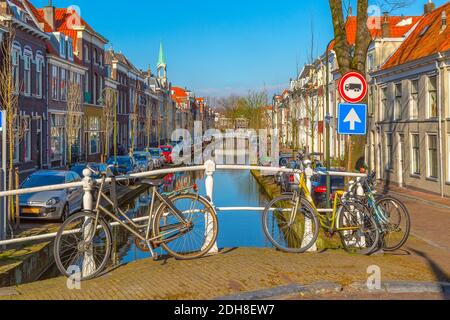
x=290, y=181
x=79, y=167
x=167, y=152
x=319, y=187
x=50, y=205
x=143, y=160
x=157, y=157
x=124, y=165
x=99, y=167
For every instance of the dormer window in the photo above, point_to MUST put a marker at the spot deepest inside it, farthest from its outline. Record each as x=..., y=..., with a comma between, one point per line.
x=70, y=49
x=62, y=46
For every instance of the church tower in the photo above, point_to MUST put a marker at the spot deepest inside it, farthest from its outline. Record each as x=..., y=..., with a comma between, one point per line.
x=162, y=66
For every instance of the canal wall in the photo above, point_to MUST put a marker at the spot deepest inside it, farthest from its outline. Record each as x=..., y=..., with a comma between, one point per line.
x=26, y=263
x=273, y=190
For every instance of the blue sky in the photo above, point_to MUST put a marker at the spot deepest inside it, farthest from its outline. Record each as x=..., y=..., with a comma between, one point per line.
x=216, y=47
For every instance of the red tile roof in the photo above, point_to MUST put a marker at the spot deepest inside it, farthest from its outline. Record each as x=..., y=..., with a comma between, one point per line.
x=398, y=27
x=179, y=92
x=427, y=39
x=65, y=21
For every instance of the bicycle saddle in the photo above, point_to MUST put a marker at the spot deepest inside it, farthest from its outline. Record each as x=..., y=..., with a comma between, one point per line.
x=153, y=182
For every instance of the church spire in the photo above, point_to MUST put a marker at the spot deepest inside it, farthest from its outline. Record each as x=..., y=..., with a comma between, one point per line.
x=162, y=59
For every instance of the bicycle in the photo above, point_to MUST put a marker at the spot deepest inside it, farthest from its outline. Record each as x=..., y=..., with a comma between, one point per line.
x=391, y=215
x=291, y=222
x=83, y=242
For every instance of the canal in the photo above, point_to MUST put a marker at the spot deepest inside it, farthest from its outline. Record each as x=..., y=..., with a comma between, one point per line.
x=236, y=228
x=231, y=188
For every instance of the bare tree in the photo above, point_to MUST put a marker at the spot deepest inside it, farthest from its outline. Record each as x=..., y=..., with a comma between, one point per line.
x=108, y=123
x=148, y=124
x=74, y=116
x=9, y=102
x=353, y=58
x=135, y=117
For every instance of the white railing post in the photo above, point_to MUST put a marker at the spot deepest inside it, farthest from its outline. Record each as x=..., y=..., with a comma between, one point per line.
x=209, y=186
x=309, y=172
x=88, y=205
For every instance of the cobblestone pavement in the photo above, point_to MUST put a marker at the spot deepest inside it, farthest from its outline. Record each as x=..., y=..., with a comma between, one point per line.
x=426, y=257
x=228, y=273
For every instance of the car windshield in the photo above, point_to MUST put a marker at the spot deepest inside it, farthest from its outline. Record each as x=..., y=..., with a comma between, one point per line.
x=78, y=169
x=166, y=149
x=154, y=152
x=42, y=180
x=140, y=157
x=120, y=161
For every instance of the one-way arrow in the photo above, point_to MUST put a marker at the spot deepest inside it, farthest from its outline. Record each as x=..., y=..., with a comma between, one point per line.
x=352, y=117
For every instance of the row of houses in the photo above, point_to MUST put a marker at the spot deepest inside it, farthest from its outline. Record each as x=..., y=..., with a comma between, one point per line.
x=408, y=71
x=75, y=92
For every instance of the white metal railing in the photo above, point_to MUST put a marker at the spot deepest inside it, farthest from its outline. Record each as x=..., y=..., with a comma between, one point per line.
x=209, y=167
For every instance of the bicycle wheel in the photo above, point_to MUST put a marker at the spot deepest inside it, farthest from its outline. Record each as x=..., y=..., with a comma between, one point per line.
x=394, y=221
x=363, y=236
x=295, y=237
x=79, y=249
x=186, y=241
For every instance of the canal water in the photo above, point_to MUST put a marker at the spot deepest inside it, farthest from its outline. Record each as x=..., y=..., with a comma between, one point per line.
x=236, y=228
x=231, y=189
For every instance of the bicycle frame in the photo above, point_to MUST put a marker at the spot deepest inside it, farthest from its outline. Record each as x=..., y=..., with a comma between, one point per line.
x=134, y=227
x=325, y=221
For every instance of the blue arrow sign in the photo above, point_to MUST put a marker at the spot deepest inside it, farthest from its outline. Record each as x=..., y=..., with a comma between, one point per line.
x=352, y=119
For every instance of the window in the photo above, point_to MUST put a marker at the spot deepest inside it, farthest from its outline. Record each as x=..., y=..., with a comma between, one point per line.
x=57, y=135
x=398, y=102
x=39, y=76
x=94, y=135
x=27, y=74
x=432, y=156
x=15, y=67
x=384, y=105
x=415, y=154
x=86, y=53
x=432, y=98
x=55, y=82
x=70, y=49
x=95, y=57
x=414, y=102
x=63, y=84
x=371, y=61
x=62, y=46
x=27, y=139
x=389, y=151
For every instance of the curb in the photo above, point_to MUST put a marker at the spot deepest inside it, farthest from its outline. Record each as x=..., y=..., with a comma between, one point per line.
x=318, y=287
x=331, y=287
x=405, y=287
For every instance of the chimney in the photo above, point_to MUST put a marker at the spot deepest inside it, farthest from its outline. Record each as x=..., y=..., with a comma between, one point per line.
x=385, y=27
x=49, y=14
x=428, y=7
x=444, y=21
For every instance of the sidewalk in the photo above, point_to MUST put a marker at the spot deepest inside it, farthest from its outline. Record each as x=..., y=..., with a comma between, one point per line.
x=430, y=198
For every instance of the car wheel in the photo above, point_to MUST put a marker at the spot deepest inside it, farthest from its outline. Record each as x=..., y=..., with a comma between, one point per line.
x=65, y=214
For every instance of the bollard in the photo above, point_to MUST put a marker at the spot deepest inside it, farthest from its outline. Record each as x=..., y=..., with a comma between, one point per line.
x=309, y=172
x=88, y=199
x=209, y=186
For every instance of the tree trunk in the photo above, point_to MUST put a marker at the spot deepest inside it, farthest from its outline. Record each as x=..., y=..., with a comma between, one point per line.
x=348, y=62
